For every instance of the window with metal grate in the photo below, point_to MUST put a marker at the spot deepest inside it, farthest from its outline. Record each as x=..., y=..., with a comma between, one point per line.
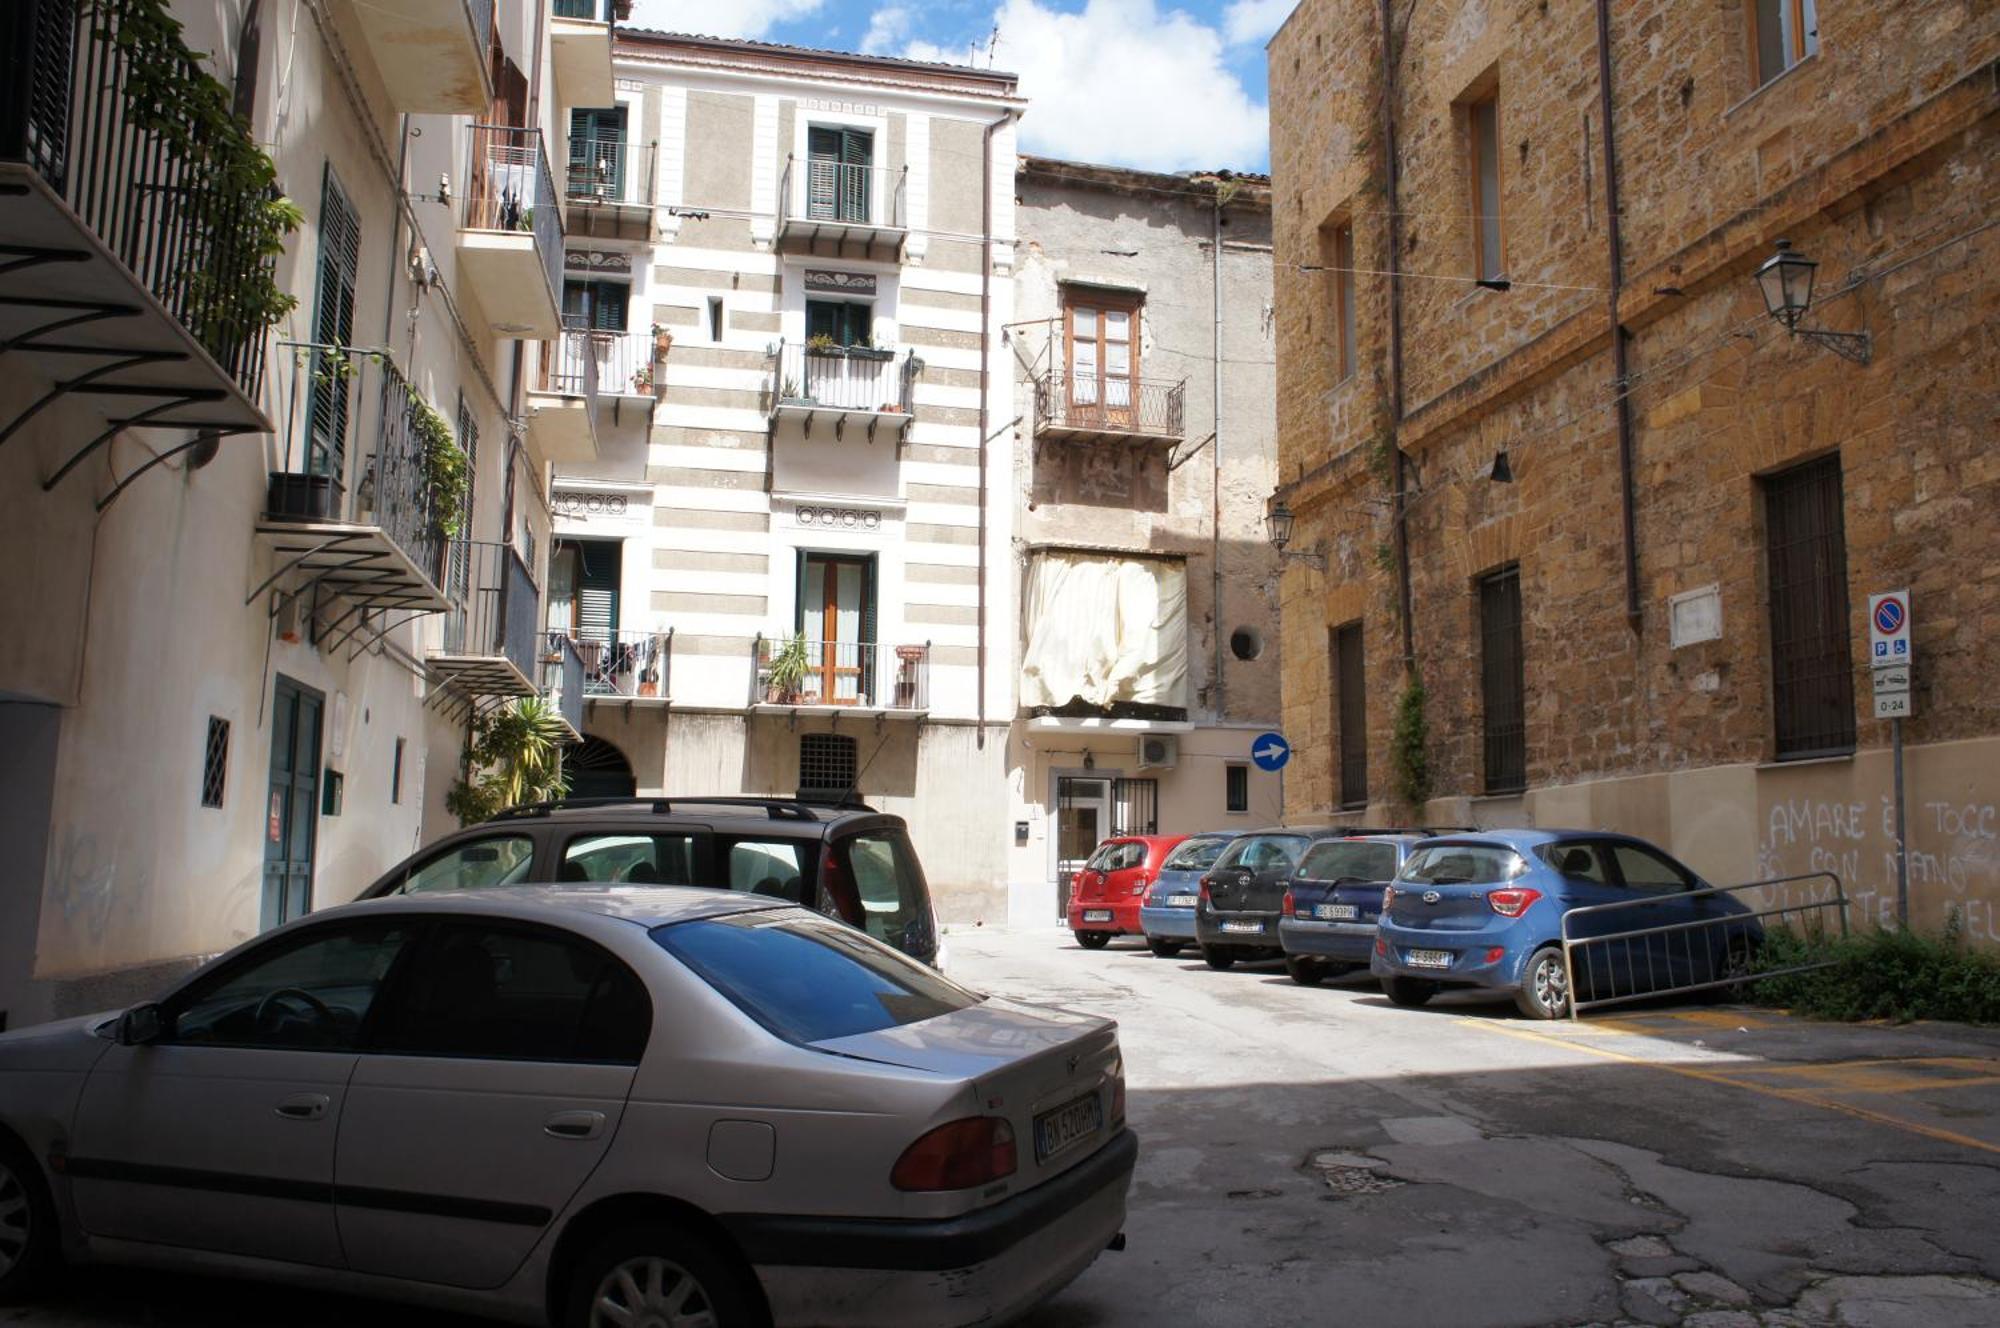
x=1502, y=684
x=1812, y=670
x=827, y=764
x=1351, y=715
x=215, y=762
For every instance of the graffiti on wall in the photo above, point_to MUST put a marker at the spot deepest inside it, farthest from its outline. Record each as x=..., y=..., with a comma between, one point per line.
x=1954, y=859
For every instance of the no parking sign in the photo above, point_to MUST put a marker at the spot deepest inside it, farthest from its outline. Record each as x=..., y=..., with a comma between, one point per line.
x=1889, y=628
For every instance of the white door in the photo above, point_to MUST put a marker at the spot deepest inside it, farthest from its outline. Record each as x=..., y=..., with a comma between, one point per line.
x=220, y=1135
x=501, y=1077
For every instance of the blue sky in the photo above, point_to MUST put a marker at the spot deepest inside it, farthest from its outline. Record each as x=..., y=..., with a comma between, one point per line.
x=1159, y=84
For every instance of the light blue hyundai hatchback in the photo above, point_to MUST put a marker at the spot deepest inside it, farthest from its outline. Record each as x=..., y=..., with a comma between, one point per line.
x=1166, y=913
x=1486, y=911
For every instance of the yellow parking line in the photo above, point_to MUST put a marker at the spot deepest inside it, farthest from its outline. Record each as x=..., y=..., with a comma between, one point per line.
x=1714, y=1077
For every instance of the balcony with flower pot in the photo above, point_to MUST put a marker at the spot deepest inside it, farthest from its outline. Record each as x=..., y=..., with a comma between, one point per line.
x=839, y=677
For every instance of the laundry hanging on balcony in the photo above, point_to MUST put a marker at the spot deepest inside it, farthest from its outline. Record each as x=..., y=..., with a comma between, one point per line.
x=1105, y=631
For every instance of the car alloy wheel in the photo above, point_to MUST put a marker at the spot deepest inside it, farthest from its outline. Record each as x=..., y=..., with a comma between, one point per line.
x=17, y=1220
x=1545, y=991
x=651, y=1292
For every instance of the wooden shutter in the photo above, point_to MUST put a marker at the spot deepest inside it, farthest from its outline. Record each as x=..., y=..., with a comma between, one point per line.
x=333, y=325
x=1812, y=672
x=823, y=155
x=597, y=591
x=1502, y=682
x=857, y=154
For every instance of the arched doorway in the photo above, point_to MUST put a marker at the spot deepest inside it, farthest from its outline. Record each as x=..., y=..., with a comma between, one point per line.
x=596, y=769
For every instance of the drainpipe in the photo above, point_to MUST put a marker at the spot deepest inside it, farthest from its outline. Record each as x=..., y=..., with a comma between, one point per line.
x=1622, y=404
x=1217, y=699
x=1400, y=477
x=985, y=381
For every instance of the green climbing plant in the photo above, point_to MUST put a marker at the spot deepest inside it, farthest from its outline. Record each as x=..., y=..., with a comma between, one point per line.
x=515, y=756
x=240, y=221
x=1409, y=746
x=447, y=471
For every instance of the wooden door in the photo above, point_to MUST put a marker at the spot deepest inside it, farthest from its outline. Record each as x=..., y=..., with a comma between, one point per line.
x=1101, y=340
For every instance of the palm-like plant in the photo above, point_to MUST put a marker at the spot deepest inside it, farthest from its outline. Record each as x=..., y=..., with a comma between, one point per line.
x=516, y=756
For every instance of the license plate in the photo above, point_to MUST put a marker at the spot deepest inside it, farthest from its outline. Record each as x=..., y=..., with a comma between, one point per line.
x=1066, y=1126
x=1336, y=912
x=1097, y=915
x=1183, y=901
x=1427, y=958
x=1249, y=928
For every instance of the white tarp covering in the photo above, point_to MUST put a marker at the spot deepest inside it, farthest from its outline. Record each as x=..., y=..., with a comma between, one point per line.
x=1105, y=630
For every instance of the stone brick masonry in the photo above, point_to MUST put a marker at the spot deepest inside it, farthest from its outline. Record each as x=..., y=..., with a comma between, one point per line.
x=1876, y=156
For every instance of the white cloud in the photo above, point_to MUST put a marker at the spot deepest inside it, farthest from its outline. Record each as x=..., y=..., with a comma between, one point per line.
x=1254, y=20
x=889, y=25
x=719, y=18
x=1122, y=83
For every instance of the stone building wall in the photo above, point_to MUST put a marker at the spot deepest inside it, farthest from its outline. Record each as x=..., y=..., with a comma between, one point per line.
x=1877, y=157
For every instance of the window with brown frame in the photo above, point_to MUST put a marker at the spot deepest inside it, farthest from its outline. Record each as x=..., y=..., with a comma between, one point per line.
x=1340, y=259
x=1482, y=123
x=1782, y=33
x=1812, y=672
x=1101, y=349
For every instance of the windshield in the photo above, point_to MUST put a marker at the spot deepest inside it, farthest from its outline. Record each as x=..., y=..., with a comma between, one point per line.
x=1262, y=853
x=1195, y=855
x=1463, y=864
x=807, y=978
x=1348, y=860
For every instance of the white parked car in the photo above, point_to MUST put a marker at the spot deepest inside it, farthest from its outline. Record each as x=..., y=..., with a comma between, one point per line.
x=585, y=1106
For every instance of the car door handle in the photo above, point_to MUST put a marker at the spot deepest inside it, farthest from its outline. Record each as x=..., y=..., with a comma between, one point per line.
x=306, y=1106
x=574, y=1125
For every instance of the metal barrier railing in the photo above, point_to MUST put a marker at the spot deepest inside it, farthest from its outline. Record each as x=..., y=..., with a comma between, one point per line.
x=869, y=674
x=627, y=663
x=1102, y=403
x=1637, y=963
x=495, y=603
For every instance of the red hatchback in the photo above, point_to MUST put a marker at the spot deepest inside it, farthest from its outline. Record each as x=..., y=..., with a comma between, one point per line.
x=1104, y=899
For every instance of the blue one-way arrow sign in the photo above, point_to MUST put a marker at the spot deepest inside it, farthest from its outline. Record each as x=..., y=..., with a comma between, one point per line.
x=1270, y=751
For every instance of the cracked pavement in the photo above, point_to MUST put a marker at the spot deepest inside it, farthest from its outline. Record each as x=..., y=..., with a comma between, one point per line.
x=1315, y=1156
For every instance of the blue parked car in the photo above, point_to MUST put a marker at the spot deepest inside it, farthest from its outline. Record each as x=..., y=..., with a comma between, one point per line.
x=1166, y=914
x=1327, y=923
x=1485, y=911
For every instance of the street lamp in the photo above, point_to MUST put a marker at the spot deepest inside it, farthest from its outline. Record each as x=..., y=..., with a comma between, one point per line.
x=1786, y=281
x=1278, y=521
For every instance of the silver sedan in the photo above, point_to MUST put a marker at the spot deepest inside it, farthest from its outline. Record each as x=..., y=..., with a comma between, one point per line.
x=579, y=1106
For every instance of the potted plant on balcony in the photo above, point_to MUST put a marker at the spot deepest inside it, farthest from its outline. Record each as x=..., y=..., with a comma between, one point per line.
x=446, y=474
x=663, y=341
x=822, y=343
x=642, y=379
x=785, y=676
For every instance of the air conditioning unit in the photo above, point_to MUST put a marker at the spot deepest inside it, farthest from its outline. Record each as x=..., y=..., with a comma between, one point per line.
x=1160, y=752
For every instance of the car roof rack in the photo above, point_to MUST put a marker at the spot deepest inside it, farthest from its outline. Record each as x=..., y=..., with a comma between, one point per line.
x=778, y=809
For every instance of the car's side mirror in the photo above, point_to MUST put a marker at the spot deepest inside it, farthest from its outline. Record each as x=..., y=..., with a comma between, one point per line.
x=142, y=1025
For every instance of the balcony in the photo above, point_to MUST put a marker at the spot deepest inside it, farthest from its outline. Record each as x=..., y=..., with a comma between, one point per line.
x=562, y=681
x=840, y=676
x=510, y=236
x=377, y=545
x=490, y=647
x=431, y=54
x=634, y=666
x=133, y=276
x=562, y=398
x=1095, y=408
x=872, y=389
x=834, y=209
x=581, y=36
x=609, y=188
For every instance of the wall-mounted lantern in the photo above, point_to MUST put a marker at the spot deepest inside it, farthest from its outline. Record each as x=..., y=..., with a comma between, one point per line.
x=1786, y=280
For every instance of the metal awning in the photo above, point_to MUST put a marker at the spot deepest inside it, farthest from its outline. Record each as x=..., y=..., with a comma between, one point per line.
x=71, y=310
x=359, y=563
x=479, y=675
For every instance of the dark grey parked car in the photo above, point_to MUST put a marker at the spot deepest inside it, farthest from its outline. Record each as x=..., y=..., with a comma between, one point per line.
x=850, y=862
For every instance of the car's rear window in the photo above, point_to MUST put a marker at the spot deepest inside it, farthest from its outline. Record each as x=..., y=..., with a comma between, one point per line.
x=1463, y=864
x=1346, y=859
x=895, y=901
x=1262, y=852
x=1195, y=854
x=808, y=979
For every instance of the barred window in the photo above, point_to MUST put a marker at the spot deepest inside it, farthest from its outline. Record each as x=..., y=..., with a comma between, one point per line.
x=1502, y=685
x=215, y=762
x=827, y=765
x=1812, y=671
x=1351, y=715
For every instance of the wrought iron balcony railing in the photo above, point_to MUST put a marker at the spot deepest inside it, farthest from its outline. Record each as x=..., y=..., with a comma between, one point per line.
x=495, y=605
x=843, y=378
x=819, y=189
x=569, y=364
x=638, y=664
x=1101, y=404
x=598, y=170
x=159, y=185
x=508, y=188
x=867, y=674
x=562, y=678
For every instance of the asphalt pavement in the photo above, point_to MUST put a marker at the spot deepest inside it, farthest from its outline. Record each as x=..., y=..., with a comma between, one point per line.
x=1318, y=1156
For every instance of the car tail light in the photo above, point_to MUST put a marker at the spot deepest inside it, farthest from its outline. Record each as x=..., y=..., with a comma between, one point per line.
x=1388, y=897
x=1495, y=954
x=1290, y=906
x=1204, y=889
x=1139, y=885
x=1512, y=901
x=958, y=1156
x=1381, y=946
x=833, y=881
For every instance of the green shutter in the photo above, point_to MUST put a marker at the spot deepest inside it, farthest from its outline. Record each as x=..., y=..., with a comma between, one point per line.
x=333, y=325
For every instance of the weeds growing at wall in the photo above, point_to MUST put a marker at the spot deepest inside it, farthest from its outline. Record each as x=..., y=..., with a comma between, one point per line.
x=1409, y=746
x=1883, y=975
